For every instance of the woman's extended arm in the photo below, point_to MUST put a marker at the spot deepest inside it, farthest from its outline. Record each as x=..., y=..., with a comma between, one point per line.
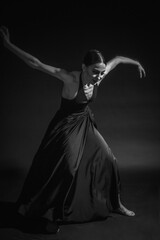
x=119, y=59
x=33, y=61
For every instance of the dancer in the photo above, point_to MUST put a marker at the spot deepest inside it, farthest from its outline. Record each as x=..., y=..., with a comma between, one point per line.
x=74, y=176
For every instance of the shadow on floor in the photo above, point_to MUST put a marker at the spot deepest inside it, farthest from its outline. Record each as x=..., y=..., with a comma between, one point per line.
x=9, y=218
x=140, y=193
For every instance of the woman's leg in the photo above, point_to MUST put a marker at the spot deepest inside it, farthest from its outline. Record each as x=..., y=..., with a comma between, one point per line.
x=123, y=210
x=118, y=206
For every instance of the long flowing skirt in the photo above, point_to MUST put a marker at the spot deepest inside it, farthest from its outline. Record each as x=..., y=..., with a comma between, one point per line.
x=74, y=175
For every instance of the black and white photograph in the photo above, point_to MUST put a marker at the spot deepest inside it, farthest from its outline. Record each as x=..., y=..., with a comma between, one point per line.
x=80, y=121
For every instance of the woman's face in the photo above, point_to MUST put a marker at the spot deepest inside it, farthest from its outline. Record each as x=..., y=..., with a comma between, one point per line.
x=96, y=72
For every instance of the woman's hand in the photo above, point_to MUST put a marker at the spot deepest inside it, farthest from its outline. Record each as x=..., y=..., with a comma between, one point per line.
x=141, y=70
x=120, y=59
x=5, y=34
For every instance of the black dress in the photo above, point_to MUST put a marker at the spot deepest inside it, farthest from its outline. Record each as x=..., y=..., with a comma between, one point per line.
x=74, y=175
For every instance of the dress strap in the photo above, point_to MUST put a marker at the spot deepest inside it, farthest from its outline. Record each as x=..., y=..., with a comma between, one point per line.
x=80, y=81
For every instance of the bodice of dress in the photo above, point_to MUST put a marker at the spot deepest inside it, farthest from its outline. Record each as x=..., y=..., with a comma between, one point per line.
x=80, y=101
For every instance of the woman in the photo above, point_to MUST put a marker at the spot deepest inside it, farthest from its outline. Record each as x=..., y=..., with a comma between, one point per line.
x=74, y=176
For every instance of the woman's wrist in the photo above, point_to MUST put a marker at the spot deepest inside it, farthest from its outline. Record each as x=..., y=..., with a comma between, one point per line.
x=139, y=65
x=6, y=43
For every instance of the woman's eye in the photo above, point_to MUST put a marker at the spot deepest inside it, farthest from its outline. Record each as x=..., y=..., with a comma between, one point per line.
x=102, y=73
x=98, y=72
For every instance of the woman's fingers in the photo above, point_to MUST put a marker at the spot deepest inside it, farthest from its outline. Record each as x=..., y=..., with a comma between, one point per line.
x=4, y=33
x=4, y=30
x=141, y=71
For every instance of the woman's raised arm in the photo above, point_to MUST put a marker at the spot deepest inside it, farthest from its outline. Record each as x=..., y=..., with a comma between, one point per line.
x=33, y=61
x=119, y=59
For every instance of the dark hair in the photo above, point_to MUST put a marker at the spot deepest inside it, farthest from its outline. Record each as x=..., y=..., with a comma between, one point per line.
x=93, y=56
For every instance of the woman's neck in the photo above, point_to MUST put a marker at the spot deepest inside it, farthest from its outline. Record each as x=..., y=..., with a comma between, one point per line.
x=87, y=80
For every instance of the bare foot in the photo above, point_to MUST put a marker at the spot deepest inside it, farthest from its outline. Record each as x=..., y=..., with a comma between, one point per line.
x=124, y=211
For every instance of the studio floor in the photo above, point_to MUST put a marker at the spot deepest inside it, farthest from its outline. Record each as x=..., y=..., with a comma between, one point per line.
x=140, y=192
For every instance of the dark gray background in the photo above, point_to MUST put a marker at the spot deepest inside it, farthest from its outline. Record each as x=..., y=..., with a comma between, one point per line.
x=126, y=108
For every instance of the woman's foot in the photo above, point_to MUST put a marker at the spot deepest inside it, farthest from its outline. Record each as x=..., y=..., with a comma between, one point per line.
x=124, y=211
